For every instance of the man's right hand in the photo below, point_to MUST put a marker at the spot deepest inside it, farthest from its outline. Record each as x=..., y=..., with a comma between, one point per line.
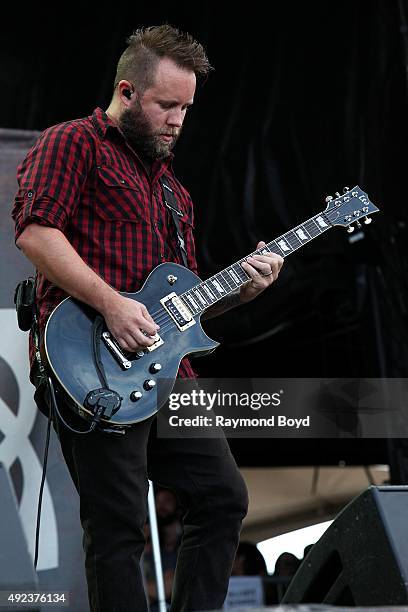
x=63, y=267
x=125, y=319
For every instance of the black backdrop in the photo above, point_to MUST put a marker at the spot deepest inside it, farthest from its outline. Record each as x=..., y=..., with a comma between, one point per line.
x=305, y=99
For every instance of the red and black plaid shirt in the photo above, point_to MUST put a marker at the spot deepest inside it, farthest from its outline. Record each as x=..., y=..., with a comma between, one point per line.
x=82, y=178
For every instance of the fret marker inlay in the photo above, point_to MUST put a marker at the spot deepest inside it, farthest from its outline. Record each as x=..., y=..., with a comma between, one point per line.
x=200, y=297
x=219, y=287
x=284, y=245
x=208, y=292
x=301, y=234
x=234, y=275
x=321, y=222
x=192, y=301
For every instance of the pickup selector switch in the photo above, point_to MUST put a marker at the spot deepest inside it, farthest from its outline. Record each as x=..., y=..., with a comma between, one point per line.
x=149, y=384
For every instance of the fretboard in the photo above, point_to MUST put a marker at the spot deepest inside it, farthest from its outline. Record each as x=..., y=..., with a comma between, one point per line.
x=200, y=297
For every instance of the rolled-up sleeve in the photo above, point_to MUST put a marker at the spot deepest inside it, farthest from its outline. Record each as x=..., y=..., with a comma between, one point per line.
x=51, y=177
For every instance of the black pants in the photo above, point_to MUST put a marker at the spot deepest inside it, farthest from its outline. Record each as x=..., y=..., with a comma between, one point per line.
x=111, y=472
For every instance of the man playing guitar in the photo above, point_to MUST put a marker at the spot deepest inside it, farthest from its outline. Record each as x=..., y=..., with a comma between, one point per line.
x=90, y=215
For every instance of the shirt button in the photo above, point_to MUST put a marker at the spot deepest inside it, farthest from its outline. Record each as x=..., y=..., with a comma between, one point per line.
x=29, y=194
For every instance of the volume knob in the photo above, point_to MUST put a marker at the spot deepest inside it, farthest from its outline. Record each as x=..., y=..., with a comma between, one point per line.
x=155, y=367
x=149, y=384
x=135, y=396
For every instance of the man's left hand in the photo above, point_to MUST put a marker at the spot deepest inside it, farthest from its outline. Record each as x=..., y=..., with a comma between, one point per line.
x=263, y=271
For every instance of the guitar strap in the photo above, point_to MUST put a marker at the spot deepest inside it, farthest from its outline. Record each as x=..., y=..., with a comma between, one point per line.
x=97, y=327
x=170, y=201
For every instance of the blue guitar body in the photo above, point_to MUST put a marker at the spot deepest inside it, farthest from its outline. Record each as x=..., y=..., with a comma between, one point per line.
x=68, y=348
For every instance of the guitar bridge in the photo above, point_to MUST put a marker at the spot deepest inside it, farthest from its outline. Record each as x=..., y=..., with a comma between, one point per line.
x=157, y=342
x=178, y=311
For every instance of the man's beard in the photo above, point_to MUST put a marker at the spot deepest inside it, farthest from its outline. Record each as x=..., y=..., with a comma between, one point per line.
x=138, y=131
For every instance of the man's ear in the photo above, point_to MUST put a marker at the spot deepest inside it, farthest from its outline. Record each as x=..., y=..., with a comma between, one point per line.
x=125, y=89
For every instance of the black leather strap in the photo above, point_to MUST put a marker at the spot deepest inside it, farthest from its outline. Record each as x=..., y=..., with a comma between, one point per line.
x=171, y=202
x=97, y=327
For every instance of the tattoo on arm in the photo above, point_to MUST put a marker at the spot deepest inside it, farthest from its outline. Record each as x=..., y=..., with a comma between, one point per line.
x=226, y=303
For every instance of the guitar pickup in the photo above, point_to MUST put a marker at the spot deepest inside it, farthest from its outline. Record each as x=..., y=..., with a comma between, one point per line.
x=178, y=311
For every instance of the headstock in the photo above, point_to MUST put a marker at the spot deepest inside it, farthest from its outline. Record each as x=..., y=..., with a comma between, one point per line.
x=353, y=205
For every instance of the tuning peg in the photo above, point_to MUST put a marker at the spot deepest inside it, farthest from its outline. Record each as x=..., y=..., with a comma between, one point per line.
x=337, y=194
x=367, y=220
x=350, y=229
x=329, y=199
x=346, y=189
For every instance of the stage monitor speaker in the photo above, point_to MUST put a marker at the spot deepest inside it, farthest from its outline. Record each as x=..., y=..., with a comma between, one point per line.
x=362, y=558
x=17, y=572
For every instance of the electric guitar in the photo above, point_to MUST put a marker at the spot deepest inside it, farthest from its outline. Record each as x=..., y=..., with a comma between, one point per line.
x=100, y=378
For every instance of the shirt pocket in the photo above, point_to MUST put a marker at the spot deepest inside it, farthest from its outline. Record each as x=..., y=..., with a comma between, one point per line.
x=119, y=197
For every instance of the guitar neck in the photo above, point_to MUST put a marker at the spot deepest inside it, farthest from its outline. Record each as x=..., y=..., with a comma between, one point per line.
x=207, y=293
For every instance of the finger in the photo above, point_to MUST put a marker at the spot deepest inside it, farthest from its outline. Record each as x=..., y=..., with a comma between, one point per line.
x=263, y=268
x=148, y=316
x=246, y=266
x=266, y=274
x=254, y=274
x=135, y=339
x=263, y=247
x=128, y=343
x=148, y=326
x=268, y=257
x=274, y=261
x=143, y=337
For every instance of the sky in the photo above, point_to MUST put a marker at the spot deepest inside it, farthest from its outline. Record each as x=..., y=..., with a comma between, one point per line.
x=293, y=541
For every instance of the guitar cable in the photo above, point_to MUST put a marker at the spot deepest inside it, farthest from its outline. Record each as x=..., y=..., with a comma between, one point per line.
x=45, y=459
x=53, y=408
x=31, y=305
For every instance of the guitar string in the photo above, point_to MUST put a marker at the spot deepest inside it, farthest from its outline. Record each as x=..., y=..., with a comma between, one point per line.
x=163, y=318
x=299, y=243
x=309, y=222
x=165, y=321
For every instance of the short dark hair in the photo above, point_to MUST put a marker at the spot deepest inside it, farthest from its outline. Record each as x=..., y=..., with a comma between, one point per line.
x=146, y=46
